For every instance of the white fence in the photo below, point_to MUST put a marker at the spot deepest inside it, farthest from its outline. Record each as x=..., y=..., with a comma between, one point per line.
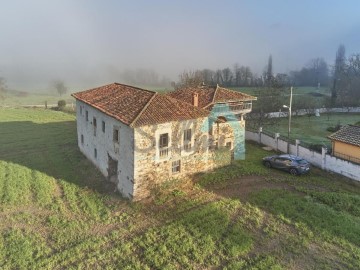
x=323, y=160
x=312, y=111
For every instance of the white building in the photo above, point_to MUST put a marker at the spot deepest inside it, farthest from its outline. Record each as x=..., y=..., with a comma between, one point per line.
x=139, y=138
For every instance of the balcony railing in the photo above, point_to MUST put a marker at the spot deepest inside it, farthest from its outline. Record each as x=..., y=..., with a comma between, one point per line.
x=164, y=152
x=236, y=107
x=187, y=146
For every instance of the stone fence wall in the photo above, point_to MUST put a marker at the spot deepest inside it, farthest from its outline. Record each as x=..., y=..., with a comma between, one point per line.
x=322, y=160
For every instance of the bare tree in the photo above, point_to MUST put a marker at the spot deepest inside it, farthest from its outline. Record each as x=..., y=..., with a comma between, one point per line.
x=350, y=85
x=209, y=76
x=319, y=71
x=190, y=78
x=60, y=87
x=218, y=77
x=270, y=99
x=227, y=76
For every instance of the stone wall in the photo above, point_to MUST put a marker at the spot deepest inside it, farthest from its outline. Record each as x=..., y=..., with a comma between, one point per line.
x=151, y=170
x=140, y=167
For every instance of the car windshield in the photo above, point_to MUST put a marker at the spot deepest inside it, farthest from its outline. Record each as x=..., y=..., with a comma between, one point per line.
x=301, y=161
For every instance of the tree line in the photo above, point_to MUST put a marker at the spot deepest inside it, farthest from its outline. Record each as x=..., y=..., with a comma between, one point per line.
x=342, y=78
x=314, y=73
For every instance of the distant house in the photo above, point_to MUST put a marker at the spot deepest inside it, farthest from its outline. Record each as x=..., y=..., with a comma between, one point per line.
x=346, y=143
x=140, y=138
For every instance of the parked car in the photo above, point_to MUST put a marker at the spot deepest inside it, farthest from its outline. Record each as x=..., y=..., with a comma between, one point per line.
x=293, y=164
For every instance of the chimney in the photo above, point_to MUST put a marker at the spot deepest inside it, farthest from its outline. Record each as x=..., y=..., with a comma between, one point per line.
x=196, y=99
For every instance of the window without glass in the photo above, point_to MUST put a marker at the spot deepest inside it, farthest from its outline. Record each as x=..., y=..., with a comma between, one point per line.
x=164, y=140
x=82, y=139
x=94, y=124
x=228, y=145
x=176, y=166
x=116, y=135
x=163, y=145
x=80, y=110
x=95, y=153
x=187, y=139
x=87, y=116
x=103, y=126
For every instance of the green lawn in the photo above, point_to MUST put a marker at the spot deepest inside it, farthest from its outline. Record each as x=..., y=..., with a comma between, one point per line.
x=313, y=129
x=296, y=90
x=58, y=212
x=19, y=99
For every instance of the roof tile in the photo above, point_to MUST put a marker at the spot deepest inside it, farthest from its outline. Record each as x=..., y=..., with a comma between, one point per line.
x=209, y=95
x=136, y=107
x=348, y=134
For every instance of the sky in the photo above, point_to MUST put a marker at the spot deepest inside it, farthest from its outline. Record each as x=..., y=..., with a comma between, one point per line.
x=87, y=43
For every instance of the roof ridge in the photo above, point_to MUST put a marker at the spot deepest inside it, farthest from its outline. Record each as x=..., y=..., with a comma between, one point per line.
x=215, y=92
x=135, y=87
x=236, y=91
x=143, y=109
x=184, y=102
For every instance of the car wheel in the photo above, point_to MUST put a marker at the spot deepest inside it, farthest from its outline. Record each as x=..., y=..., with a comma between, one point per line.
x=267, y=164
x=293, y=171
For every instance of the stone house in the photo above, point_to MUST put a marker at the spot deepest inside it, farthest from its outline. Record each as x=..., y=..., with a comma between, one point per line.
x=346, y=143
x=139, y=138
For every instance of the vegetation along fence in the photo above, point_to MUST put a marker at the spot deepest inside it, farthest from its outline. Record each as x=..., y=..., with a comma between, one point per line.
x=322, y=160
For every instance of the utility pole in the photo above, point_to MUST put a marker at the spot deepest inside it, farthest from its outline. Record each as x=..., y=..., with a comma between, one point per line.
x=289, y=126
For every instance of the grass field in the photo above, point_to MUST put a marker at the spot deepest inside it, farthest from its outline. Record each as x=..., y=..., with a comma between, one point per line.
x=303, y=97
x=315, y=131
x=301, y=90
x=13, y=98
x=58, y=212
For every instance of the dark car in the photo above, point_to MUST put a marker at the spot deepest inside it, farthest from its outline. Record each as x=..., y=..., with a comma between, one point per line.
x=293, y=164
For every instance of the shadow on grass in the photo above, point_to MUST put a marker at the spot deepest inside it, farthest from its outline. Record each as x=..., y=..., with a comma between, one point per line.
x=50, y=148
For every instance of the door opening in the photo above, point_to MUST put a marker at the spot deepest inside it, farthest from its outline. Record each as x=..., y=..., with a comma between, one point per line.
x=112, y=169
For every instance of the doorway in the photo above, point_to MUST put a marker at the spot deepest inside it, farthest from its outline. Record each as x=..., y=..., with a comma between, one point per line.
x=112, y=169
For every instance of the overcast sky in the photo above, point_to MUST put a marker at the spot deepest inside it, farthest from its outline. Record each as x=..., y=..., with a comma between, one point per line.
x=87, y=43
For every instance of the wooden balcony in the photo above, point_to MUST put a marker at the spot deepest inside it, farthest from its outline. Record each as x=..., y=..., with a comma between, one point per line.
x=232, y=108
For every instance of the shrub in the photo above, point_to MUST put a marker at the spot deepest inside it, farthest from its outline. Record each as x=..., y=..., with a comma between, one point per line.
x=61, y=104
x=316, y=147
x=334, y=129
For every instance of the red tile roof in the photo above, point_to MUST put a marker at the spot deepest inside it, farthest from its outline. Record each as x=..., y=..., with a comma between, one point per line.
x=162, y=109
x=136, y=107
x=349, y=134
x=209, y=95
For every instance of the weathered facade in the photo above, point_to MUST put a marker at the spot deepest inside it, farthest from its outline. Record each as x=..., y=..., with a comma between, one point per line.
x=96, y=140
x=139, y=138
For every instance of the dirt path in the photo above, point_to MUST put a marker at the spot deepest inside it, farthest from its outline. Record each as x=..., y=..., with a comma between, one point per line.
x=243, y=186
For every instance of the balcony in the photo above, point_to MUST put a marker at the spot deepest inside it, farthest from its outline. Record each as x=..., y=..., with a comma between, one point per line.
x=187, y=147
x=164, y=152
x=232, y=108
